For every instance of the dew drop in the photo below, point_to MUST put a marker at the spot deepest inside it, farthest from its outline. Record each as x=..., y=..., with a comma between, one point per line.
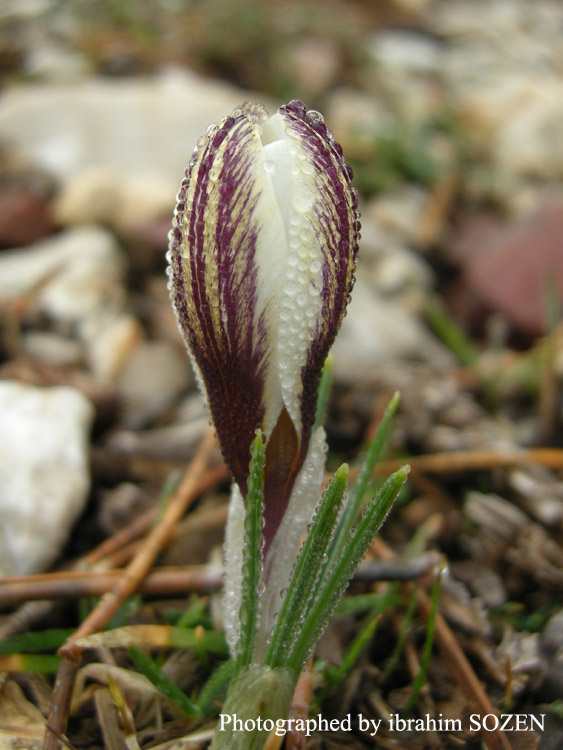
x=315, y=266
x=290, y=288
x=269, y=166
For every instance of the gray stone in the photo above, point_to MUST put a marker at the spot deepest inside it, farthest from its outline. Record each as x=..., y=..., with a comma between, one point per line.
x=154, y=377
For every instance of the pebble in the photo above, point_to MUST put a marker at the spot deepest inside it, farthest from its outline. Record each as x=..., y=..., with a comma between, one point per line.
x=111, y=340
x=100, y=195
x=314, y=63
x=153, y=378
x=24, y=212
x=390, y=266
x=377, y=330
x=399, y=213
x=44, y=474
x=68, y=276
x=52, y=349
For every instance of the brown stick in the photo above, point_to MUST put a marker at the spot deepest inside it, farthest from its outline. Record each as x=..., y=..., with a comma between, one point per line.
x=477, y=460
x=296, y=740
x=62, y=694
x=72, y=584
x=143, y=523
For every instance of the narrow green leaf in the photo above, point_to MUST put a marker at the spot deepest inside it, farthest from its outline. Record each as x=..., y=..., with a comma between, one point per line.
x=162, y=682
x=198, y=639
x=449, y=332
x=420, y=678
x=335, y=582
x=355, y=649
x=194, y=614
x=252, y=555
x=215, y=689
x=359, y=489
x=39, y=663
x=44, y=640
x=310, y=562
x=375, y=601
x=323, y=393
x=405, y=629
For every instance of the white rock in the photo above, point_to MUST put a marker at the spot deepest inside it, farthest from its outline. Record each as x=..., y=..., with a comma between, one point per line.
x=44, y=475
x=133, y=126
x=314, y=63
x=399, y=213
x=68, y=276
x=389, y=265
x=100, y=195
x=47, y=59
x=406, y=51
x=377, y=331
x=355, y=118
x=517, y=122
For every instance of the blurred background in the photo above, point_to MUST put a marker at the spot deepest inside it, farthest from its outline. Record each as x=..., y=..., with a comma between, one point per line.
x=449, y=111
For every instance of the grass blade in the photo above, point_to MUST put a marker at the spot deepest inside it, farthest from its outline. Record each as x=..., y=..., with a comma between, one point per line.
x=307, y=571
x=162, y=682
x=252, y=555
x=44, y=640
x=336, y=580
x=358, y=491
x=215, y=689
x=38, y=663
x=420, y=678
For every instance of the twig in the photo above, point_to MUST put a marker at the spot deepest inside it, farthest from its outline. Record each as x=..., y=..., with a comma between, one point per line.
x=300, y=708
x=72, y=584
x=62, y=693
x=436, y=210
x=125, y=587
x=395, y=570
x=24, y=617
x=477, y=460
x=143, y=523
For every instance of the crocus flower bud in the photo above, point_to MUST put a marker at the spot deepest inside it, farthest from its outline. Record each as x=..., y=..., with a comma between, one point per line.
x=262, y=256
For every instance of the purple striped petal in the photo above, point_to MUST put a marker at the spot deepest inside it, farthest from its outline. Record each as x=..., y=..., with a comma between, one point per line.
x=262, y=257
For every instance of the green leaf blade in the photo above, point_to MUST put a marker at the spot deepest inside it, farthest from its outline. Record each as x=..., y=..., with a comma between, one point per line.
x=307, y=573
x=336, y=580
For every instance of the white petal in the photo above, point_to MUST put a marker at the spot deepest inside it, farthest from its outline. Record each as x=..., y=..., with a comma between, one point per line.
x=289, y=265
